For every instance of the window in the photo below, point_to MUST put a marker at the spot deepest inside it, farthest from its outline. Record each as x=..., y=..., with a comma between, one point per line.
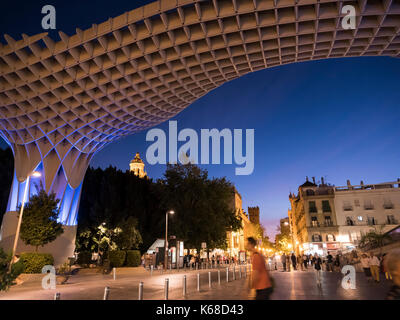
x=372, y=221
x=368, y=205
x=349, y=221
x=326, y=207
x=347, y=206
x=312, y=207
x=357, y=203
x=310, y=192
x=330, y=238
x=387, y=204
x=316, y=238
x=391, y=219
x=314, y=222
x=328, y=221
x=360, y=218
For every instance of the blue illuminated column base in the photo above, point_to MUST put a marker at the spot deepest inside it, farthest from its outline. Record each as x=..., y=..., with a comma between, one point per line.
x=62, y=169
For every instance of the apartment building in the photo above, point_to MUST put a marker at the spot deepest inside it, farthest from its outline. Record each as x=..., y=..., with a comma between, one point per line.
x=328, y=218
x=360, y=208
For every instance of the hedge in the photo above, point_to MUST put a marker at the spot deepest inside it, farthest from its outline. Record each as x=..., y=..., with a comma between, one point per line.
x=84, y=258
x=133, y=258
x=34, y=262
x=117, y=258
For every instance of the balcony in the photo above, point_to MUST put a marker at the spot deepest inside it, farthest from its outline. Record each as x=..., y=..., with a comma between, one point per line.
x=328, y=224
x=368, y=207
x=388, y=206
x=392, y=221
x=348, y=208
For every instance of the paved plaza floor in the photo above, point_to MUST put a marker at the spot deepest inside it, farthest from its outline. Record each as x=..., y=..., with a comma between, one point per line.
x=294, y=285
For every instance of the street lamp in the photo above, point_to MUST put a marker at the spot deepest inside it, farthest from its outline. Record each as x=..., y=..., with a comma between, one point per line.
x=34, y=174
x=166, y=238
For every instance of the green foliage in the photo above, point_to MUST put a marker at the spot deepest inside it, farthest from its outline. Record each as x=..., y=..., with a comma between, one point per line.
x=375, y=238
x=39, y=222
x=133, y=258
x=203, y=207
x=34, y=262
x=84, y=258
x=129, y=237
x=111, y=196
x=121, y=211
x=64, y=269
x=117, y=258
x=6, y=277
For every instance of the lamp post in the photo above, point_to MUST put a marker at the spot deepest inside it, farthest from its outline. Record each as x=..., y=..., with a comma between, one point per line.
x=32, y=174
x=166, y=238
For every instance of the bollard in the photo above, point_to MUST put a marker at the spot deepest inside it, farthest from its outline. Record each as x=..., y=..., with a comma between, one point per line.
x=227, y=274
x=166, y=287
x=184, y=285
x=219, y=276
x=234, y=273
x=140, y=291
x=198, y=282
x=106, y=293
x=209, y=279
x=240, y=272
x=57, y=296
x=170, y=267
x=114, y=274
x=151, y=270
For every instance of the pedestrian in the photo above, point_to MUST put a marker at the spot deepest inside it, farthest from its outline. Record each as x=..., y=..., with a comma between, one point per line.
x=329, y=262
x=317, y=262
x=300, y=261
x=294, y=262
x=384, y=268
x=365, y=265
x=260, y=281
x=288, y=262
x=392, y=265
x=337, y=263
x=283, y=259
x=374, y=264
x=305, y=261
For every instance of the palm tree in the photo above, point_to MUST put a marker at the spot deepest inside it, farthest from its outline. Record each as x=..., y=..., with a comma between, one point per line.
x=375, y=238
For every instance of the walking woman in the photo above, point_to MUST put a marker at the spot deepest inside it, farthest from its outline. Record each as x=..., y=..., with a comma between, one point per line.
x=318, y=269
x=374, y=264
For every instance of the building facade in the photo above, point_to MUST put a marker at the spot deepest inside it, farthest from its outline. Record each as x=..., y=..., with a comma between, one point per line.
x=254, y=214
x=360, y=208
x=327, y=218
x=236, y=239
x=137, y=166
x=312, y=218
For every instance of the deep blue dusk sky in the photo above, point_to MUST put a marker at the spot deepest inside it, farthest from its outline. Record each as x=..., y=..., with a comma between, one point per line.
x=335, y=118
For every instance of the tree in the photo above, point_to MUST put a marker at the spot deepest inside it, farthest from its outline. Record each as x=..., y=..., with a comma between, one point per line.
x=39, y=222
x=375, y=238
x=7, y=277
x=202, y=206
x=283, y=240
x=129, y=238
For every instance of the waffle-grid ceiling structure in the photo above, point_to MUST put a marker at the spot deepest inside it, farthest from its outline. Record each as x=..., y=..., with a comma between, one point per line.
x=61, y=101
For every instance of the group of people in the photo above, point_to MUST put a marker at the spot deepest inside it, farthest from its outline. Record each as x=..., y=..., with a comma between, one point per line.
x=264, y=285
x=191, y=260
x=372, y=266
x=303, y=262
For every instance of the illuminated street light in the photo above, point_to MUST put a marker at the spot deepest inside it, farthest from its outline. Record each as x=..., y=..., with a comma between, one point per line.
x=166, y=238
x=34, y=174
